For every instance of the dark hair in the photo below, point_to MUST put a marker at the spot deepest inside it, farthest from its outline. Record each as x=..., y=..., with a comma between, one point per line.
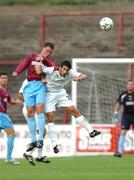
x=3, y=73
x=66, y=63
x=49, y=44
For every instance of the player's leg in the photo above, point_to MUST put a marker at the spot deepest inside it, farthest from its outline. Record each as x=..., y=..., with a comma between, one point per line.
x=32, y=126
x=121, y=143
x=50, y=108
x=125, y=124
x=30, y=101
x=51, y=131
x=10, y=142
x=40, y=102
x=31, y=146
x=29, y=115
x=40, y=157
x=6, y=124
x=65, y=102
x=40, y=124
x=80, y=119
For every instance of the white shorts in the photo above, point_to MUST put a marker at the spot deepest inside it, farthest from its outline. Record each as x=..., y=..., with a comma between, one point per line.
x=57, y=100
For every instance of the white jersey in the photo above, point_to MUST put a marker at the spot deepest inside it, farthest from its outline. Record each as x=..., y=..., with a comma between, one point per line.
x=56, y=82
x=25, y=82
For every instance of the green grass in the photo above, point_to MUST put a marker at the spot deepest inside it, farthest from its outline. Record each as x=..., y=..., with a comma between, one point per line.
x=12, y=2
x=72, y=168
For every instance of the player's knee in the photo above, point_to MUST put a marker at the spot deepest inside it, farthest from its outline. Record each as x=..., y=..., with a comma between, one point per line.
x=123, y=132
x=50, y=117
x=73, y=111
x=40, y=108
x=10, y=132
x=30, y=113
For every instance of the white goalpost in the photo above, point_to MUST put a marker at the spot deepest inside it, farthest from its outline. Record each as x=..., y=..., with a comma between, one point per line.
x=106, y=77
x=95, y=97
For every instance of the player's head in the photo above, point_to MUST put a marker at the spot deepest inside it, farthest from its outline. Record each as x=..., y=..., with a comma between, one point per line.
x=47, y=49
x=3, y=78
x=49, y=44
x=130, y=86
x=64, y=68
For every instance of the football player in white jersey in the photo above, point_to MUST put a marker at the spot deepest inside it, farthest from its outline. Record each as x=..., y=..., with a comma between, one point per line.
x=57, y=97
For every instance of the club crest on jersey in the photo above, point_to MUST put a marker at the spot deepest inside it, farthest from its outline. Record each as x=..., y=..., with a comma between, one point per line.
x=130, y=98
x=36, y=63
x=5, y=99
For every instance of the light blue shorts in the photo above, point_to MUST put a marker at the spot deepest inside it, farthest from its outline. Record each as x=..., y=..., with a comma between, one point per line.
x=5, y=121
x=34, y=93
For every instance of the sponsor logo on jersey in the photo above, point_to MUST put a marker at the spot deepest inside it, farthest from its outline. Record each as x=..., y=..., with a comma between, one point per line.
x=129, y=103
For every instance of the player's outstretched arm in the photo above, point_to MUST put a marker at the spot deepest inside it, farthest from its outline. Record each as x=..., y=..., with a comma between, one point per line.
x=15, y=102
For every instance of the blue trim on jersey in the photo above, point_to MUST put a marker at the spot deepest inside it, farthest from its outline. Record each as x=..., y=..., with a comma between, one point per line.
x=5, y=121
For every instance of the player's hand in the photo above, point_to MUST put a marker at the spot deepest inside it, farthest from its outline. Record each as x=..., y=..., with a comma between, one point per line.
x=14, y=74
x=39, y=58
x=19, y=102
x=76, y=78
x=115, y=117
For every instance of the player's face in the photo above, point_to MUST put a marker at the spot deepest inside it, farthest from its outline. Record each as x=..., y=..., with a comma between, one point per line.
x=64, y=70
x=3, y=80
x=130, y=86
x=46, y=52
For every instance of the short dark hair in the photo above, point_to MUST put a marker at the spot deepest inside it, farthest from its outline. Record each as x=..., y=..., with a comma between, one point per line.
x=66, y=63
x=49, y=44
x=3, y=73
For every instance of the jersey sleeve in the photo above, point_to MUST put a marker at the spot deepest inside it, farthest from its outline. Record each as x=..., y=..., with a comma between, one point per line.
x=23, y=65
x=119, y=99
x=121, y=96
x=25, y=82
x=48, y=70
x=9, y=97
x=74, y=73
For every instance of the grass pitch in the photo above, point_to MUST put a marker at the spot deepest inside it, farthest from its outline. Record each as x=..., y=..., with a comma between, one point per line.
x=72, y=168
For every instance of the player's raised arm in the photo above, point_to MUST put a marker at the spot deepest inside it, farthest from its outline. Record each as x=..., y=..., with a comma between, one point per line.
x=77, y=76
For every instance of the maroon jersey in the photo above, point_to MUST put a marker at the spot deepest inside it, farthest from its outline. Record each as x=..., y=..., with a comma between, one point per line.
x=28, y=64
x=4, y=98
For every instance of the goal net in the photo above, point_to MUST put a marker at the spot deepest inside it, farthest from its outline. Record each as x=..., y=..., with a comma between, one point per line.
x=96, y=96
